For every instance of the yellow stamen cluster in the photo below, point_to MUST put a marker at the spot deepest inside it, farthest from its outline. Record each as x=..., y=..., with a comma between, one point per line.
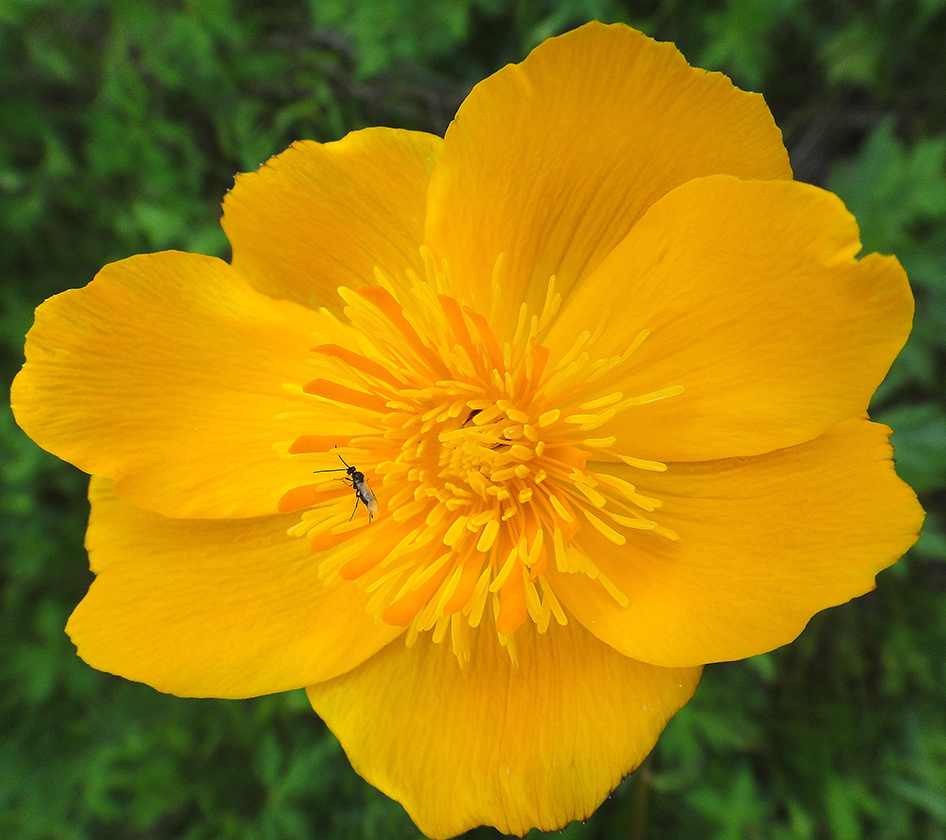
x=481, y=455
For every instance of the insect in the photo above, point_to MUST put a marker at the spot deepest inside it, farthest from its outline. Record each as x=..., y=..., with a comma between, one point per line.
x=363, y=492
x=473, y=414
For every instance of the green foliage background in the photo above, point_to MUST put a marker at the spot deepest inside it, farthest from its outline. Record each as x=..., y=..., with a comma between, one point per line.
x=121, y=126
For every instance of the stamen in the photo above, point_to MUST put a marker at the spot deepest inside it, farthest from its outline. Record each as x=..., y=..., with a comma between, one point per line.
x=641, y=463
x=342, y=394
x=477, y=602
x=488, y=537
x=369, y=367
x=496, y=286
x=606, y=530
x=599, y=443
x=479, y=452
x=601, y=402
x=549, y=309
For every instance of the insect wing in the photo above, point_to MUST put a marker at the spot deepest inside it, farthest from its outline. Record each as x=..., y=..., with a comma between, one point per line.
x=367, y=496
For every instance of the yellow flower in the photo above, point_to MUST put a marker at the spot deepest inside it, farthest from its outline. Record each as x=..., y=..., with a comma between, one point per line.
x=490, y=441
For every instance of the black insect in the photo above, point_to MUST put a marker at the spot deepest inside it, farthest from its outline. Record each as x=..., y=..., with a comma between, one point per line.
x=473, y=414
x=363, y=492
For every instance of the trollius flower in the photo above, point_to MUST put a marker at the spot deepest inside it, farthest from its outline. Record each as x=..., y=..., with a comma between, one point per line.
x=603, y=367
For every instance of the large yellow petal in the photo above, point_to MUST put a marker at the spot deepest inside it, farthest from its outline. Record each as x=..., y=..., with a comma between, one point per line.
x=755, y=306
x=214, y=608
x=319, y=216
x=167, y=373
x=764, y=543
x=492, y=743
x=551, y=161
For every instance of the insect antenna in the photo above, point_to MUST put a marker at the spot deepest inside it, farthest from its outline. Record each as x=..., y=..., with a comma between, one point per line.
x=346, y=468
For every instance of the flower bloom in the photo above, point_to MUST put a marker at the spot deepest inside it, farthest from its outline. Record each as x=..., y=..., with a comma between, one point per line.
x=490, y=441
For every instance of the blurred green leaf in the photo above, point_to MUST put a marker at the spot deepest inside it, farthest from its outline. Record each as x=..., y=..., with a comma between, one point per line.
x=919, y=440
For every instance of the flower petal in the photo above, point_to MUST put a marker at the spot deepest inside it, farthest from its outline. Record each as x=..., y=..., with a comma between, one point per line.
x=214, y=608
x=764, y=543
x=167, y=374
x=319, y=216
x=755, y=306
x=492, y=743
x=551, y=161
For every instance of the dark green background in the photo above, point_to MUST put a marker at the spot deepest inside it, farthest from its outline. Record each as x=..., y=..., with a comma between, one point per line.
x=121, y=126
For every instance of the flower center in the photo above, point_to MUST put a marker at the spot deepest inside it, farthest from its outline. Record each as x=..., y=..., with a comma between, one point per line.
x=482, y=455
